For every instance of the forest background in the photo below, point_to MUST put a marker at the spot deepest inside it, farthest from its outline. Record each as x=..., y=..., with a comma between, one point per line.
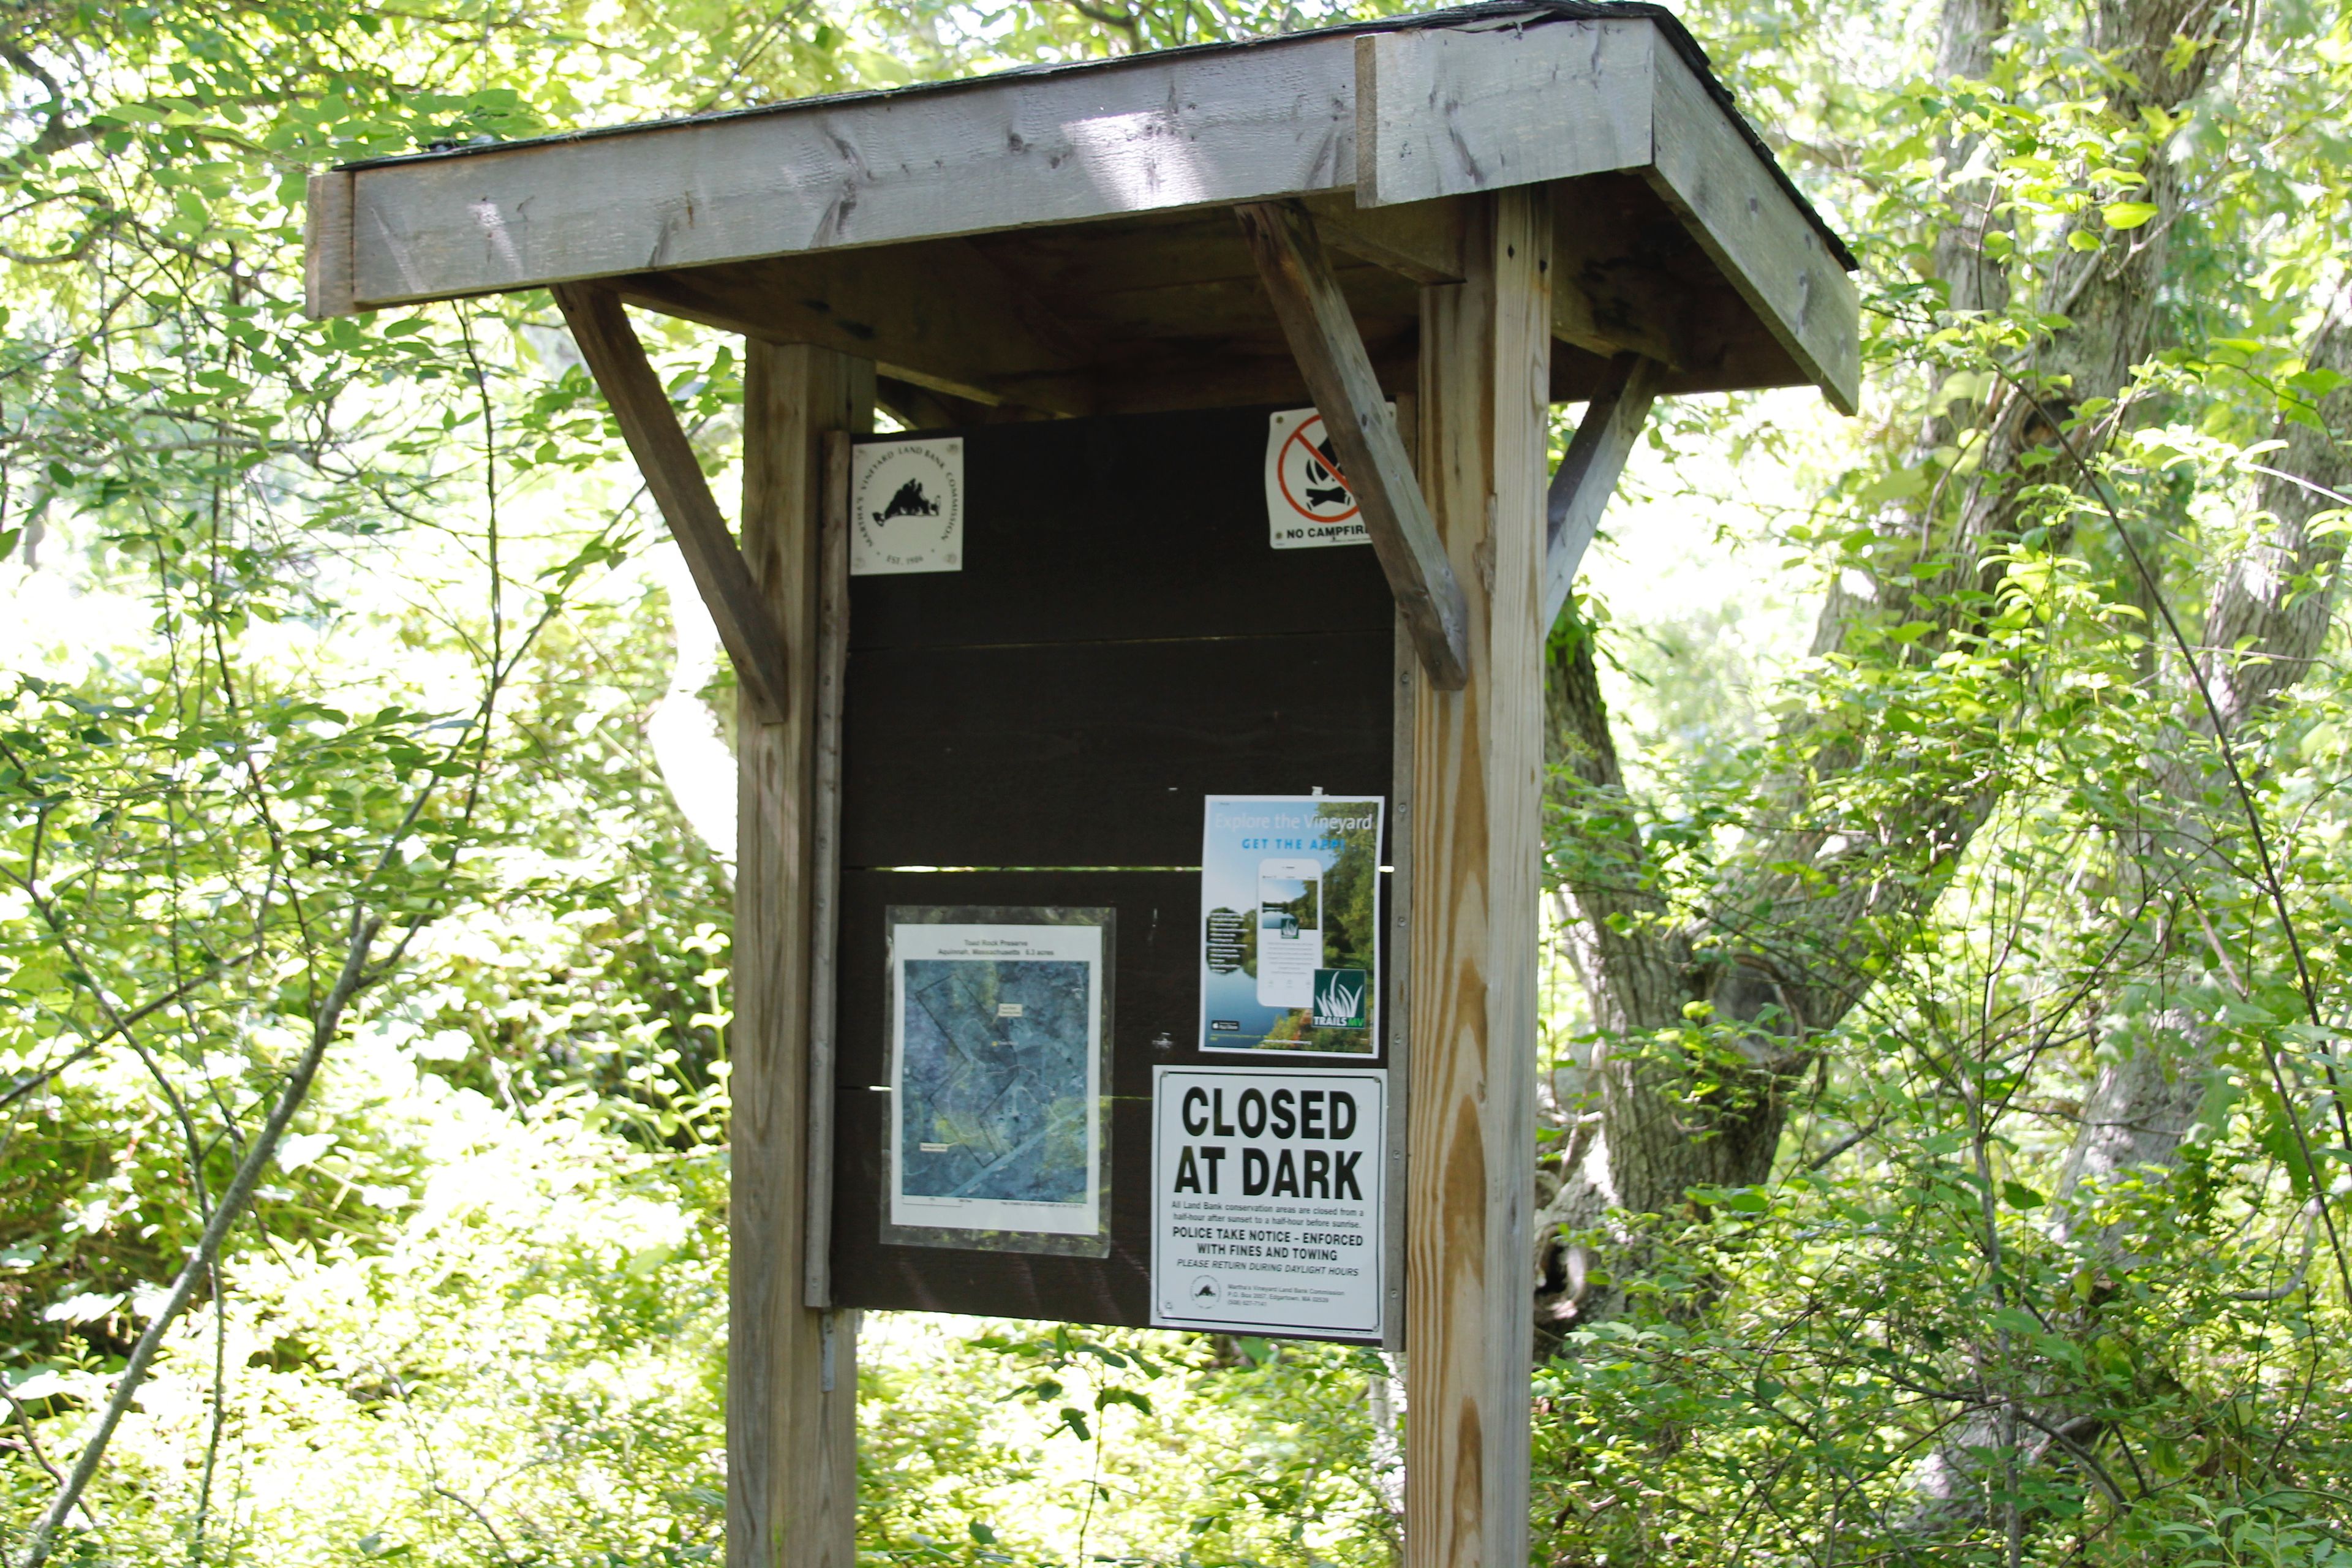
x=1943, y=1154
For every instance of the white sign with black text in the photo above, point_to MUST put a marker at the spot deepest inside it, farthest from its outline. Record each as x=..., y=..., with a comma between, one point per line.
x=1265, y=1200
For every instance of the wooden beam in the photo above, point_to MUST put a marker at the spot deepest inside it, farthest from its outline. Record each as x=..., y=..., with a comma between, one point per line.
x=791, y=1371
x=1442, y=111
x=1338, y=373
x=1195, y=128
x=1421, y=241
x=941, y=314
x=1746, y=221
x=1616, y=287
x=327, y=247
x=618, y=360
x=1476, y=894
x=1589, y=470
x=825, y=901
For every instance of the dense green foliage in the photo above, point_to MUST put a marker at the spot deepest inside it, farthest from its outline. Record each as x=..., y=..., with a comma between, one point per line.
x=337, y=649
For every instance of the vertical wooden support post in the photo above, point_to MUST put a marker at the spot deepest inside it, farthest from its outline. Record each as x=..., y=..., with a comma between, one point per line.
x=792, y=1373
x=1477, y=759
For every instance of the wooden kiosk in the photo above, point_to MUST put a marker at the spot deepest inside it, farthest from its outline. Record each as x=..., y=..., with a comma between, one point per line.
x=1431, y=229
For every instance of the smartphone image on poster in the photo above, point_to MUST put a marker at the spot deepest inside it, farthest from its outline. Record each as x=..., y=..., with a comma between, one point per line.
x=1289, y=932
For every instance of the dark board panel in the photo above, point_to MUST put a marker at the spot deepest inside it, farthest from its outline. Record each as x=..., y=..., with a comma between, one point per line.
x=1099, y=754
x=1122, y=642
x=1113, y=529
x=1157, y=1000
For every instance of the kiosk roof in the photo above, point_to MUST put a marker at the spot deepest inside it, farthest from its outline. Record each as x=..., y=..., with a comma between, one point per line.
x=1046, y=240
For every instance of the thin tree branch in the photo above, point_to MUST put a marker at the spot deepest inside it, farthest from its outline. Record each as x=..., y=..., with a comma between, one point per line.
x=231, y=1208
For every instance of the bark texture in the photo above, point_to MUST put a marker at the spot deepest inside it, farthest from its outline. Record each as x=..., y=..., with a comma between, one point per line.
x=1776, y=949
x=2264, y=625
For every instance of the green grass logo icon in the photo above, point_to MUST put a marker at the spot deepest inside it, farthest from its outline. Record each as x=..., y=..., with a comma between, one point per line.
x=1339, y=998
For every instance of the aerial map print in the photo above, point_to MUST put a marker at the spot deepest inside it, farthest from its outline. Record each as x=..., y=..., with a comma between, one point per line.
x=997, y=1080
x=995, y=1103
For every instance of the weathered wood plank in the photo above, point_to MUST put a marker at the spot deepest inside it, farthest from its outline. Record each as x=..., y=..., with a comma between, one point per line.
x=1589, y=470
x=1397, y=943
x=1420, y=240
x=1404, y=675
x=941, y=314
x=1444, y=110
x=792, y=1373
x=1477, y=761
x=616, y=359
x=1274, y=120
x=1747, y=222
x=825, y=901
x=1332, y=356
x=327, y=247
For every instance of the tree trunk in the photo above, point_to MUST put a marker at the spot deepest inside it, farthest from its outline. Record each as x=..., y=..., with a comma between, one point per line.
x=1775, y=952
x=2264, y=625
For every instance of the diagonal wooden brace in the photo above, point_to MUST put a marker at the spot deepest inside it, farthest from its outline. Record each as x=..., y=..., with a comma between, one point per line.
x=1338, y=373
x=1589, y=471
x=618, y=360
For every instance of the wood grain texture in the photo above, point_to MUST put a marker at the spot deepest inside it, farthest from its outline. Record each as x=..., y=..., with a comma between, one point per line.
x=1627, y=280
x=747, y=626
x=327, y=247
x=1589, y=470
x=1418, y=240
x=1146, y=134
x=940, y=313
x=825, y=901
x=1442, y=111
x=1478, y=757
x=791, y=1371
x=1321, y=329
x=1756, y=233
x=1397, y=945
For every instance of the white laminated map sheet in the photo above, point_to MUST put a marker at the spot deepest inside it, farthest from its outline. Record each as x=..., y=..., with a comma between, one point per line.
x=995, y=1078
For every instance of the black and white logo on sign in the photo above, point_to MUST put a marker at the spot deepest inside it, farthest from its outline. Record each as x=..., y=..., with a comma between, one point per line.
x=1307, y=501
x=906, y=502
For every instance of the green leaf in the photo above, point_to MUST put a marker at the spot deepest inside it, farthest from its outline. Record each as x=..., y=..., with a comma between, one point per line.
x=2129, y=214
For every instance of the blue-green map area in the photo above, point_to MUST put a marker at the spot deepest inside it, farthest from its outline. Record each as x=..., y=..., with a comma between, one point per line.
x=992, y=1106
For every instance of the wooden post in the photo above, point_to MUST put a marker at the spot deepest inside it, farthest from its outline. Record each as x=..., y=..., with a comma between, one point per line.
x=792, y=1373
x=1477, y=759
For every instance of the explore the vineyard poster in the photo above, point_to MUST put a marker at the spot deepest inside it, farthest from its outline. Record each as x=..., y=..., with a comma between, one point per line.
x=1290, y=924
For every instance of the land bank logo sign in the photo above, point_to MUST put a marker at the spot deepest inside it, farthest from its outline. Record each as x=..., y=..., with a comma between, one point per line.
x=1341, y=996
x=905, y=507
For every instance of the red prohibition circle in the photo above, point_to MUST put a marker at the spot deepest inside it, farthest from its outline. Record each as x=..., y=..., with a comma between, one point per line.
x=1282, y=473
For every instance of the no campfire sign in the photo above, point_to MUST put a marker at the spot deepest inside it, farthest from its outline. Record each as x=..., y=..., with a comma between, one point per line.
x=1265, y=1200
x=1307, y=502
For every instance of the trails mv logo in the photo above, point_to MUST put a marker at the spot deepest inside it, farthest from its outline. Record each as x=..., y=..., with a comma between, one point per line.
x=1339, y=998
x=906, y=506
